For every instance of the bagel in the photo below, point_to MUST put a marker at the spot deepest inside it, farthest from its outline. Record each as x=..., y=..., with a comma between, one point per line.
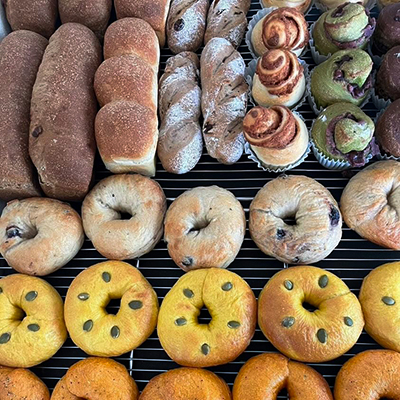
x=371, y=375
x=89, y=324
x=123, y=239
x=380, y=300
x=319, y=336
x=20, y=384
x=232, y=306
x=318, y=223
x=186, y=384
x=264, y=376
x=204, y=228
x=32, y=325
x=39, y=235
x=96, y=379
x=370, y=203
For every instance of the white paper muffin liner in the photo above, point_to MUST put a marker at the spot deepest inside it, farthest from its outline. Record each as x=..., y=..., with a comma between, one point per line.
x=317, y=57
x=251, y=70
x=273, y=168
x=370, y=5
x=382, y=155
x=305, y=12
x=253, y=22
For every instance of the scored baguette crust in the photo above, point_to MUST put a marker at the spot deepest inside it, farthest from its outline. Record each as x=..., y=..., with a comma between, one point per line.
x=154, y=12
x=126, y=87
x=20, y=55
x=61, y=141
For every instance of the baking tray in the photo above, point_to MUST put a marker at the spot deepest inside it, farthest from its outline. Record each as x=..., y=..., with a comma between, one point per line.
x=352, y=260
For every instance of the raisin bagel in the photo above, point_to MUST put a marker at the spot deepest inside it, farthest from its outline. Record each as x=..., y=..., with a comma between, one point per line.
x=204, y=227
x=380, y=301
x=32, y=325
x=21, y=384
x=232, y=306
x=96, y=379
x=39, y=235
x=186, y=384
x=319, y=336
x=371, y=375
x=370, y=203
x=92, y=328
x=318, y=223
x=102, y=214
x=264, y=376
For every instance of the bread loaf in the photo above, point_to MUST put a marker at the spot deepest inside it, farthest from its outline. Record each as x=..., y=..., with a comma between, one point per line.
x=20, y=56
x=186, y=24
x=92, y=13
x=63, y=108
x=227, y=19
x=223, y=101
x=126, y=87
x=154, y=12
x=180, y=141
x=33, y=15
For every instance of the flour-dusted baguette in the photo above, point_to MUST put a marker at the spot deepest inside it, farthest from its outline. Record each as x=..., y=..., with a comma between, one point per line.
x=63, y=108
x=186, y=24
x=92, y=13
x=227, y=19
x=21, y=53
x=127, y=89
x=180, y=142
x=33, y=15
x=223, y=101
x=154, y=12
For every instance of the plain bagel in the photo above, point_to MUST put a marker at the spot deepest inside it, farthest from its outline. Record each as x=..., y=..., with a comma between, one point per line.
x=204, y=228
x=318, y=224
x=39, y=235
x=121, y=239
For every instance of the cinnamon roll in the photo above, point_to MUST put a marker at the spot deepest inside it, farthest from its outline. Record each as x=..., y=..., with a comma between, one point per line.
x=276, y=135
x=283, y=28
x=279, y=79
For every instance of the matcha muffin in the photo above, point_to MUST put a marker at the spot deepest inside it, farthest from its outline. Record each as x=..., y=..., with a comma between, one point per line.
x=348, y=26
x=342, y=137
x=344, y=77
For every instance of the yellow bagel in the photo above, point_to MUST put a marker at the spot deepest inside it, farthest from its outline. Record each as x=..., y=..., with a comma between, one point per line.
x=25, y=342
x=232, y=306
x=328, y=332
x=380, y=301
x=91, y=327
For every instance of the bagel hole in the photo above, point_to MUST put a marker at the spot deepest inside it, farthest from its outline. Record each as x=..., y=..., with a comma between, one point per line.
x=283, y=394
x=113, y=306
x=19, y=314
x=309, y=307
x=199, y=225
x=124, y=215
x=290, y=220
x=204, y=317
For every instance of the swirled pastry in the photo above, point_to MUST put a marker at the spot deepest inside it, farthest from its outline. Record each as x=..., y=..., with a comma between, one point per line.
x=276, y=135
x=284, y=28
x=279, y=79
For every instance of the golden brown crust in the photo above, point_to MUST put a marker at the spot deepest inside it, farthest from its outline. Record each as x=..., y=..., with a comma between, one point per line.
x=186, y=384
x=20, y=384
x=264, y=376
x=300, y=5
x=370, y=203
x=96, y=379
x=371, y=375
x=317, y=336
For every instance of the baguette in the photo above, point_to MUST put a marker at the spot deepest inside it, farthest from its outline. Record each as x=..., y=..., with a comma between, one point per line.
x=126, y=87
x=33, y=15
x=223, y=101
x=20, y=55
x=154, y=12
x=63, y=108
x=95, y=14
x=180, y=142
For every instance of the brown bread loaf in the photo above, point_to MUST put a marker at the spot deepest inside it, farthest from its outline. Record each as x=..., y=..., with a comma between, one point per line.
x=92, y=13
x=63, y=108
x=154, y=12
x=33, y=15
x=20, y=56
x=126, y=87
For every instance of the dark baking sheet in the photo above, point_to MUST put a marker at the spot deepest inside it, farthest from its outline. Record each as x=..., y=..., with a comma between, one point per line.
x=351, y=261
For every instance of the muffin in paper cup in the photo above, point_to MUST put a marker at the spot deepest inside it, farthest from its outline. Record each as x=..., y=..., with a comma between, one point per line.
x=322, y=7
x=317, y=57
x=378, y=101
x=253, y=22
x=383, y=155
x=251, y=70
x=304, y=12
